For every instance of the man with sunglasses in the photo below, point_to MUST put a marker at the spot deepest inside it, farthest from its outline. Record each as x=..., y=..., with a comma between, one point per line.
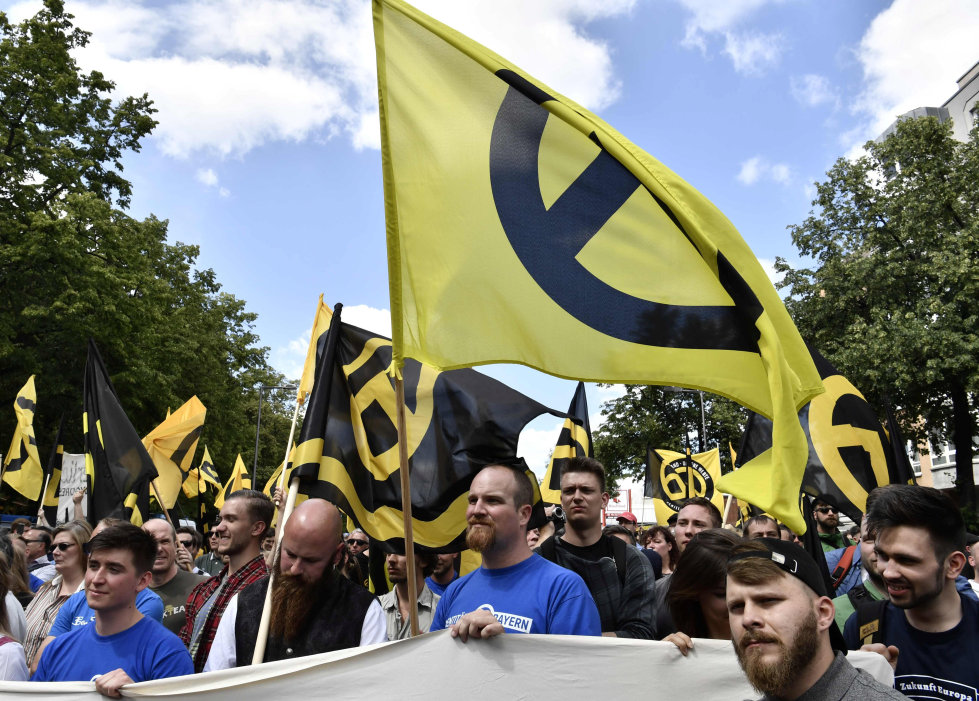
x=357, y=545
x=827, y=516
x=38, y=542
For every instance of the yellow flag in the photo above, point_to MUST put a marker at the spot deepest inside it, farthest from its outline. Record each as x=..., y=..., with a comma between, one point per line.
x=172, y=445
x=21, y=465
x=239, y=480
x=321, y=322
x=274, y=479
x=522, y=228
x=678, y=477
x=201, y=476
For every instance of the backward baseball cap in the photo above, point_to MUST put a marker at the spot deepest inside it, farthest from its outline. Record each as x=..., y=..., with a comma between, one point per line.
x=794, y=560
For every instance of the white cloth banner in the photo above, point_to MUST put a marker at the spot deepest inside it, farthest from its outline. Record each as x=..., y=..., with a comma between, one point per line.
x=436, y=667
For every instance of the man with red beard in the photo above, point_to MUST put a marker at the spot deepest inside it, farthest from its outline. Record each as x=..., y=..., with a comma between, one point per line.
x=513, y=590
x=314, y=608
x=782, y=627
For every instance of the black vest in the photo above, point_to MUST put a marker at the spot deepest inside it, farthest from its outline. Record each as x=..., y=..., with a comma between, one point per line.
x=334, y=624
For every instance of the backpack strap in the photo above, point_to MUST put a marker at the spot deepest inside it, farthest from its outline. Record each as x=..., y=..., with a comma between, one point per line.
x=619, y=554
x=870, y=620
x=843, y=566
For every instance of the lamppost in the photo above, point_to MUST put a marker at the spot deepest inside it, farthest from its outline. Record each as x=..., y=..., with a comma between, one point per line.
x=702, y=437
x=258, y=428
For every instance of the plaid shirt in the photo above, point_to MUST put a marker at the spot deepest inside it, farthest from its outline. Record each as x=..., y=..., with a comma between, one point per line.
x=251, y=572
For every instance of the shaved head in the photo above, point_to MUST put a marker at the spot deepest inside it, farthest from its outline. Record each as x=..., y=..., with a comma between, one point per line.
x=315, y=519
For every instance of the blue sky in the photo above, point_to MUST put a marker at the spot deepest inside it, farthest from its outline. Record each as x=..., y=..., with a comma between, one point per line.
x=267, y=156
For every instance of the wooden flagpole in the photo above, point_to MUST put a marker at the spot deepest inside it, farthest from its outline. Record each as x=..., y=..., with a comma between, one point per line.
x=284, y=511
x=399, y=391
x=166, y=511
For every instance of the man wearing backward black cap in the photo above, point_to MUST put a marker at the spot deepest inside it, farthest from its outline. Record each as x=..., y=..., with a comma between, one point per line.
x=783, y=628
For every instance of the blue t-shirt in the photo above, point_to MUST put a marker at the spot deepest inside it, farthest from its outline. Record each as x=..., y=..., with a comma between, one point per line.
x=943, y=666
x=533, y=596
x=144, y=651
x=76, y=612
x=439, y=588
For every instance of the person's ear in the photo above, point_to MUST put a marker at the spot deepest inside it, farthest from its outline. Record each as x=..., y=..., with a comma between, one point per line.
x=954, y=564
x=825, y=613
x=144, y=581
x=259, y=527
x=525, y=512
x=337, y=554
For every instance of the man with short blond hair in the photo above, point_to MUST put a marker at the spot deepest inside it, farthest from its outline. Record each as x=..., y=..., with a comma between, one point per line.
x=513, y=590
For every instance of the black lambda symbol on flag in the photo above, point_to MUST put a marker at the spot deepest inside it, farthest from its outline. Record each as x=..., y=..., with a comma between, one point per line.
x=548, y=240
x=674, y=478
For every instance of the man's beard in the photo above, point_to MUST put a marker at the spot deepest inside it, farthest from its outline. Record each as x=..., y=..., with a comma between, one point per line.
x=294, y=599
x=774, y=678
x=480, y=539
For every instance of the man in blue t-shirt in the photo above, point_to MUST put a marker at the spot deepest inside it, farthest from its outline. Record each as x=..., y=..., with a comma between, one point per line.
x=122, y=646
x=928, y=631
x=514, y=591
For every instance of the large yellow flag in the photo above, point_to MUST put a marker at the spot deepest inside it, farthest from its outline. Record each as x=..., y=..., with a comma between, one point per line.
x=172, y=445
x=239, y=480
x=22, y=465
x=522, y=228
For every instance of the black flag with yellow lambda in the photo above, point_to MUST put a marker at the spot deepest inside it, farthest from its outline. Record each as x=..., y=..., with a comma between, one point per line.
x=573, y=442
x=457, y=422
x=52, y=476
x=849, y=451
x=118, y=468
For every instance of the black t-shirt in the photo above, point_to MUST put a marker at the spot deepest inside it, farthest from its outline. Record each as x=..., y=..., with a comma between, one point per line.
x=593, y=553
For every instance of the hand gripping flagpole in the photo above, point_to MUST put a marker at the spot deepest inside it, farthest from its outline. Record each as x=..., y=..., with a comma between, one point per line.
x=399, y=390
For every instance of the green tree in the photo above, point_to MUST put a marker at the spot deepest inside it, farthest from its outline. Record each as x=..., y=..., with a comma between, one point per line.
x=892, y=297
x=74, y=264
x=655, y=417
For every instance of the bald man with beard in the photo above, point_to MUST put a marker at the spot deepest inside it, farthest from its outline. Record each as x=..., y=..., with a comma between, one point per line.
x=314, y=608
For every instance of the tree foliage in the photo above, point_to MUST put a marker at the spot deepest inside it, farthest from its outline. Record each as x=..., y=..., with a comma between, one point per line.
x=74, y=264
x=892, y=296
x=655, y=417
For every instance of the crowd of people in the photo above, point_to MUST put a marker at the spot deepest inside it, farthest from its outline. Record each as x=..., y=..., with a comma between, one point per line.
x=120, y=604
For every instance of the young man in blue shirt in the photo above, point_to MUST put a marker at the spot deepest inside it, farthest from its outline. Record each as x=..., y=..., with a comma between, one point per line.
x=122, y=646
x=514, y=590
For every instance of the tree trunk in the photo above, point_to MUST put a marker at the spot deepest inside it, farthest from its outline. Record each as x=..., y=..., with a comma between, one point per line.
x=962, y=435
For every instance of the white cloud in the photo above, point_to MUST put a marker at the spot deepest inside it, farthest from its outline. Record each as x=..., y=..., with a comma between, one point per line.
x=757, y=168
x=897, y=79
x=751, y=52
x=207, y=176
x=813, y=90
x=289, y=359
x=369, y=318
x=230, y=75
x=535, y=446
x=768, y=265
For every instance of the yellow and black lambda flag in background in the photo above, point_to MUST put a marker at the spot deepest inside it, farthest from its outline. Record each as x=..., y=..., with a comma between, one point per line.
x=672, y=477
x=574, y=442
x=199, y=477
x=522, y=228
x=849, y=452
x=239, y=479
x=118, y=468
x=457, y=423
x=21, y=466
x=172, y=445
x=52, y=474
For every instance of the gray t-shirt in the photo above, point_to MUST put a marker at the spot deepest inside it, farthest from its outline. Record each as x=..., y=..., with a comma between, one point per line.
x=174, y=595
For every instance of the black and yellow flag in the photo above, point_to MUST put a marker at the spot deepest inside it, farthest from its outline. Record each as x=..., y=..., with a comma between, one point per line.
x=172, y=445
x=22, y=466
x=522, y=228
x=52, y=475
x=849, y=451
x=201, y=476
x=118, y=468
x=457, y=423
x=672, y=477
x=573, y=442
x=240, y=479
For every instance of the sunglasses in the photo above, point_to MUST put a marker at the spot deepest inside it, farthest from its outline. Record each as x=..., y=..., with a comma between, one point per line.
x=358, y=542
x=60, y=546
x=28, y=540
x=827, y=510
x=186, y=543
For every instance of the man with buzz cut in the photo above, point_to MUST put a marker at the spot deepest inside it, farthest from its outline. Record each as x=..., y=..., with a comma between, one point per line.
x=761, y=526
x=122, y=646
x=618, y=576
x=928, y=630
x=171, y=583
x=514, y=590
x=783, y=631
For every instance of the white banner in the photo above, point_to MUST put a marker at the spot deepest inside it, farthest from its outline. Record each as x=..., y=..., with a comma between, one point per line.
x=436, y=667
x=72, y=479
